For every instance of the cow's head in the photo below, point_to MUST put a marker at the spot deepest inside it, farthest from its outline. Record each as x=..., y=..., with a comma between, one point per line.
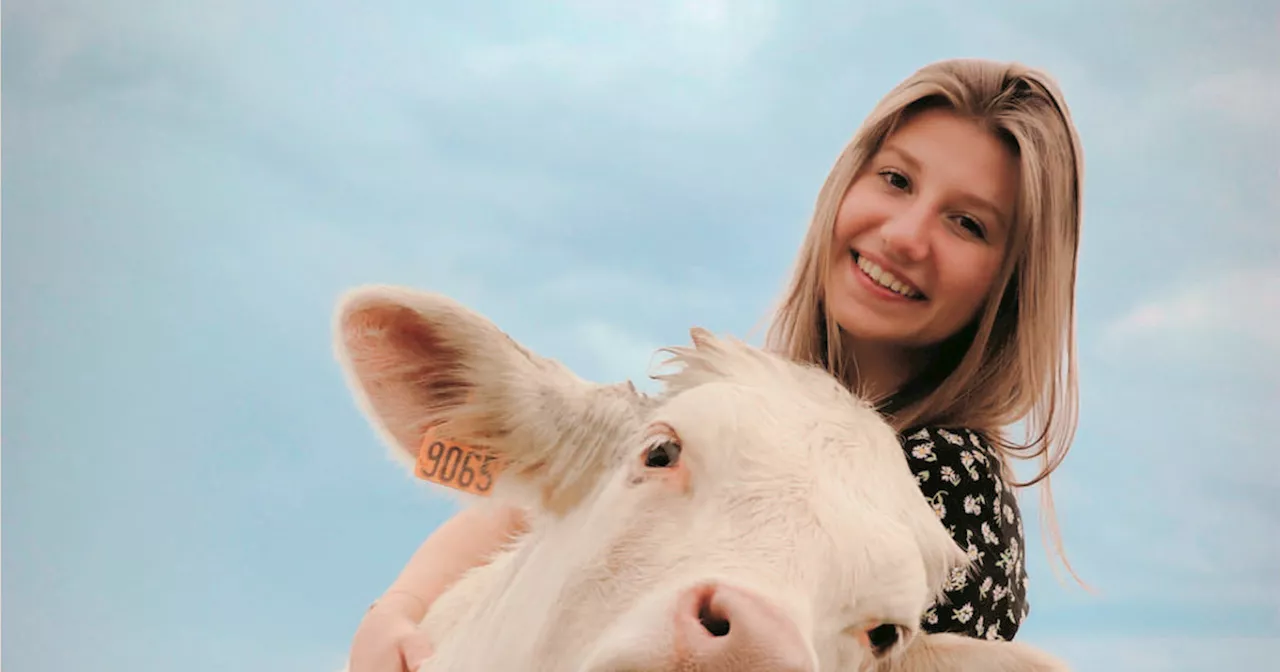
x=755, y=516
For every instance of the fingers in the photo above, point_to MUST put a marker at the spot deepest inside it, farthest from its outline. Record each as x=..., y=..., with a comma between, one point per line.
x=417, y=649
x=381, y=661
x=379, y=643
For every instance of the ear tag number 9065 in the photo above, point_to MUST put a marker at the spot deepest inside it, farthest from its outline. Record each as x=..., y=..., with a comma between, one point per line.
x=456, y=466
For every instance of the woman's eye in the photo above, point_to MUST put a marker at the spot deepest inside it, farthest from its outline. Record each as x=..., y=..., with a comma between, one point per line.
x=662, y=455
x=895, y=179
x=972, y=226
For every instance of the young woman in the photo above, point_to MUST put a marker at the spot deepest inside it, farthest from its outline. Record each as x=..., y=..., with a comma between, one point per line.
x=937, y=277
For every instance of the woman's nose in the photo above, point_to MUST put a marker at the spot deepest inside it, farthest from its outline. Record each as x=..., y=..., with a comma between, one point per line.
x=906, y=235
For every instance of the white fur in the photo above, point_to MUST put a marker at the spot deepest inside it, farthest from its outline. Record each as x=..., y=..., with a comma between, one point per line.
x=787, y=485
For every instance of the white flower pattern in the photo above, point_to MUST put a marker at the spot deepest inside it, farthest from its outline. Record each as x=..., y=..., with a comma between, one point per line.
x=983, y=517
x=923, y=451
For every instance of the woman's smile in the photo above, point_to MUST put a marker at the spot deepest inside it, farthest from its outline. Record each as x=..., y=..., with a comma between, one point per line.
x=883, y=282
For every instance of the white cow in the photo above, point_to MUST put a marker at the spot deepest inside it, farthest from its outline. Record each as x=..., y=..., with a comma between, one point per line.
x=755, y=516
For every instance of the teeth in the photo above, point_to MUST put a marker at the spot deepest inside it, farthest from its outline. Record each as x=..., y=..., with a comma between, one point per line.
x=884, y=278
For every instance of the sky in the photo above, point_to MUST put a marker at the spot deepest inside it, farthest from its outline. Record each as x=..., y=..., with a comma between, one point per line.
x=188, y=187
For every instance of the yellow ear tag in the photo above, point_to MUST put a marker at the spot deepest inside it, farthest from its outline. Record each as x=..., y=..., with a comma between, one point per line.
x=456, y=466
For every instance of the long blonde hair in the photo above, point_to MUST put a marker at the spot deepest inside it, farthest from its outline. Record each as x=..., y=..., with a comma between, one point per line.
x=1016, y=362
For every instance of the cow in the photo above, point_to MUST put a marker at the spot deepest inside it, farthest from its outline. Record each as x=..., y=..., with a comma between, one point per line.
x=753, y=515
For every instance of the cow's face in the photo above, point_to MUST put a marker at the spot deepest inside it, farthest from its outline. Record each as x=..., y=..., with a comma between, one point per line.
x=762, y=493
x=754, y=517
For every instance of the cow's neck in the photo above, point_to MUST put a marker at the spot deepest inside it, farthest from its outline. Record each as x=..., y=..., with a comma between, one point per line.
x=511, y=611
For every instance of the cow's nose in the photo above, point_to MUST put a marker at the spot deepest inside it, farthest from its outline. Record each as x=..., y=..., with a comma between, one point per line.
x=725, y=628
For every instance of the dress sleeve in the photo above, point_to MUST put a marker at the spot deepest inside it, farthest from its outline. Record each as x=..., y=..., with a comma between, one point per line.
x=959, y=473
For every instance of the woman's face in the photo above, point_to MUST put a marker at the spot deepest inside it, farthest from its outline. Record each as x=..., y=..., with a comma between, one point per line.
x=920, y=234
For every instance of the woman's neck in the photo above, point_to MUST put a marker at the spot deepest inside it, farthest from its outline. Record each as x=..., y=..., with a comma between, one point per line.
x=878, y=370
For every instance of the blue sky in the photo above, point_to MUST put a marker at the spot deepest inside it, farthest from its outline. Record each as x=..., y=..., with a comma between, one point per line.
x=188, y=186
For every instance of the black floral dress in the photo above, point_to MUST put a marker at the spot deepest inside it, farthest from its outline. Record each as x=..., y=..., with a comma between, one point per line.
x=959, y=474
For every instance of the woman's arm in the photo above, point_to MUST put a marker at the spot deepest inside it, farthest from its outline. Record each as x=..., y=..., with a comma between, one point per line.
x=388, y=639
x=461, y=543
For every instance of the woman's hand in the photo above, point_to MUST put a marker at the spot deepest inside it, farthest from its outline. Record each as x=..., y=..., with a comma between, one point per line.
x=389, y=639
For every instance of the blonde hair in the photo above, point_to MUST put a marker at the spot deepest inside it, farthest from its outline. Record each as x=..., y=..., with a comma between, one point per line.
x=1016, y=361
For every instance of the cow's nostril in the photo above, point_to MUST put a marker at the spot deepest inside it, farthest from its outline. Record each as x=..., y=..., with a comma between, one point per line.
x=723, y=627
x=712, y=620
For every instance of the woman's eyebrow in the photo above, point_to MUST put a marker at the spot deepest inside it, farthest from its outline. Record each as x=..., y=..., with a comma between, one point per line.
x=907, y=158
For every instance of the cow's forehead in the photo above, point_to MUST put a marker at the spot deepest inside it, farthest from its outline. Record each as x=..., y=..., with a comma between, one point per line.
x=783, y=421
x=728, y=396
x=757, y=422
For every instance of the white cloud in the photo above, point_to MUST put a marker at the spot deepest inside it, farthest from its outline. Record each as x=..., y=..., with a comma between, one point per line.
x=641, y=68
x=695, y=293
x=1247, y=96
x=618, y=354
x=1174, y=653
x=707, y=39
x=1234, y=308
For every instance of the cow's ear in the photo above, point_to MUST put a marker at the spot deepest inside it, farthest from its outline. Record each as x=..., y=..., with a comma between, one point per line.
x=423, y=368
x=944, y=652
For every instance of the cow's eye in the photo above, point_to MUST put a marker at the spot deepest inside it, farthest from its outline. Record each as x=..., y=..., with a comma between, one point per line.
x=663, y=454
x=883, y=637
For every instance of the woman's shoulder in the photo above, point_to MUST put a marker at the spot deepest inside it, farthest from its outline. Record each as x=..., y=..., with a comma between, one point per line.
x=962, y=475
x=954, y=458
x=959, y=455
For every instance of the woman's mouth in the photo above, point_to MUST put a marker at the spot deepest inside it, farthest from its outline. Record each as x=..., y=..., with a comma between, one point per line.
x=884, y=279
